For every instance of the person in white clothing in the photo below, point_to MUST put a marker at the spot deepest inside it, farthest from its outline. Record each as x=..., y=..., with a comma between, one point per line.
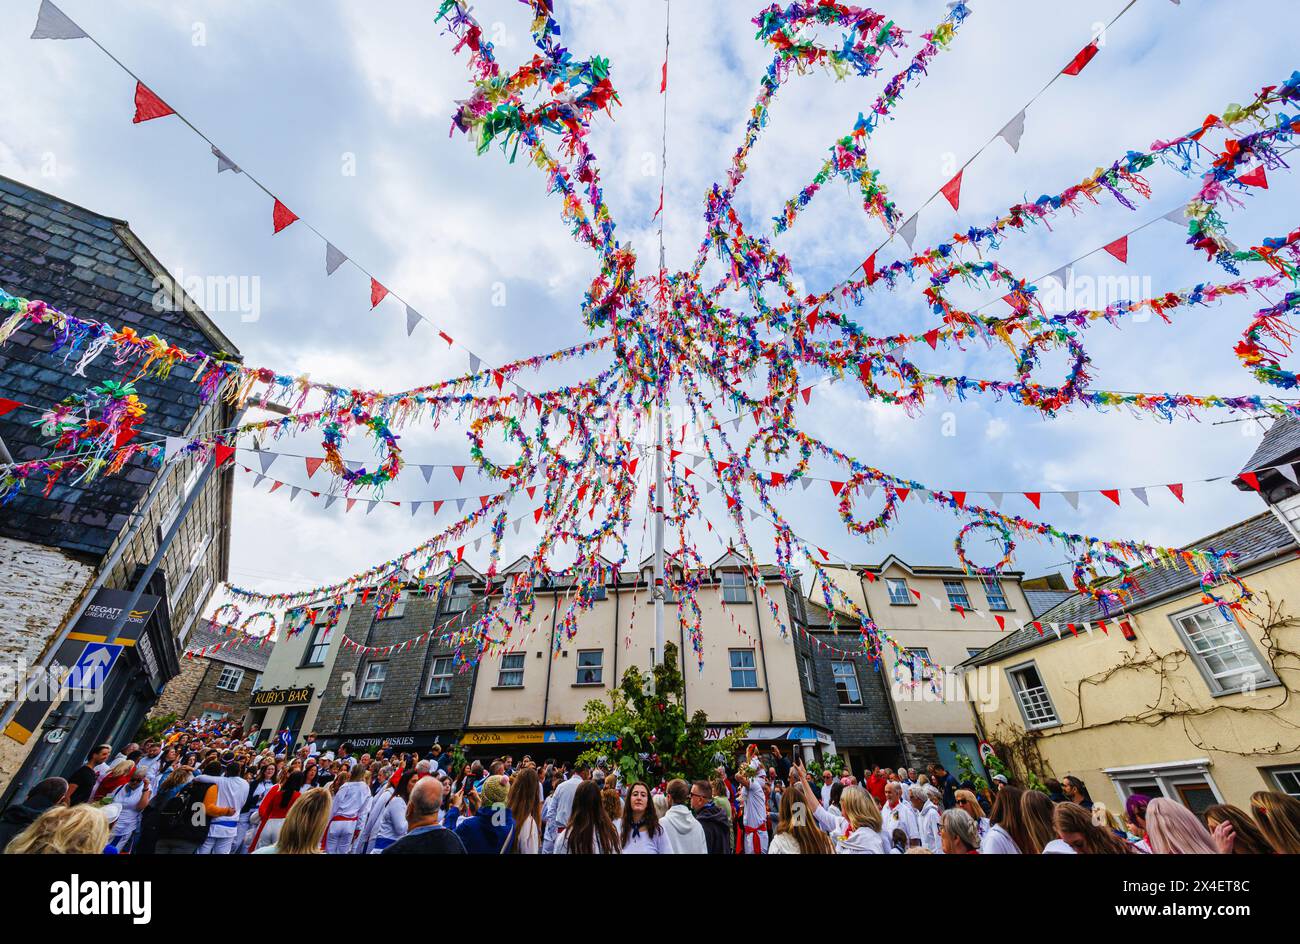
x=828, y=781
x=898, y=814
x=640, y=832
x=133, y=797
x=589, y=830
x=751, y=838
x=232, y=791
x=390, y=819
x=370, y=815
x=685, y=834
x=958, y=833
x=525, y=804
x=1005, y=822
x=967, y=802
x=344, y=818
x=927, y=816
x=257, y=790
x=563, y=807
x=857, y=831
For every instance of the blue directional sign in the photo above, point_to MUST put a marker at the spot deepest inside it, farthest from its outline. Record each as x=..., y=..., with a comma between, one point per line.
x=96, y=661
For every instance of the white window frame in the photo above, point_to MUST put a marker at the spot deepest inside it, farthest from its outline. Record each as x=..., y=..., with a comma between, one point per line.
x=894, y=600
x=196, y=561
x=599, y=667
x=443, y=679
x=959, y=586
x=751, y=668
x=1030, y=699
x=230, y=679
x=841, y=686
x=914, y=664
x=458, y=600
x=1169, y=776
x=1283, y=786
x=735, y=588
x=995, y=594
x=808, y=669
x=398, y=609
x=511, y=670
x=174, y=509
x=320, y=636
x=368, y=679
x=1212, y=680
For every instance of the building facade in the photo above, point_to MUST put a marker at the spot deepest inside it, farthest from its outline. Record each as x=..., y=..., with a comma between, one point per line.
x=945, y=616
x=56, y=544
x=219, y=685
x=1176, y=698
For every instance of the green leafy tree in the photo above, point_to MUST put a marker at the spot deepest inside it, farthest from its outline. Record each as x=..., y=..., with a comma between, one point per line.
x=832, y=762
x=646, y=734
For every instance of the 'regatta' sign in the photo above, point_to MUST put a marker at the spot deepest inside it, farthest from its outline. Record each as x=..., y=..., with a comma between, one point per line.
x=281, y=696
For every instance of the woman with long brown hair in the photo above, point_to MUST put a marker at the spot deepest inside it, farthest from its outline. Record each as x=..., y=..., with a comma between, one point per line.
x=590, y=831
x=1246, y=836
x=639, y=831
x=1278, y=816
x=1006, y=835
x=525, y=805
x=1077, y=830
x=797, y=831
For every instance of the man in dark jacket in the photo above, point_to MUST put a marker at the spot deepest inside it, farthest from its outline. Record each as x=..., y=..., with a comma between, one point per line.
x=711, y=817
x=424, y=836
x=19, y=816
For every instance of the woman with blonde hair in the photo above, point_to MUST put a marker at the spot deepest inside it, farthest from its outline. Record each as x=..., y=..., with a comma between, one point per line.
x=796, y=832
x=1037, y=829
x=1247, y=839
x=303, y=832
x=857, y=830
x=116, y=776
x=1173, y=829
x=1278, y=816
x=63, y=830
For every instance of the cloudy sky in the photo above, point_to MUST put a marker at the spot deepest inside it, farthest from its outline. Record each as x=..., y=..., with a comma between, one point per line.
x=343, y=110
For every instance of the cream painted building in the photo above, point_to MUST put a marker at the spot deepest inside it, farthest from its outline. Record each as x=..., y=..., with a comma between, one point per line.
x=536, y=694
x=296, y=676
x=1198, y=705
x=941, y=614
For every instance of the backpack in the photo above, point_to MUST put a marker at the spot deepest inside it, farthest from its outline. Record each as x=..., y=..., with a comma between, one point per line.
x=177, y=815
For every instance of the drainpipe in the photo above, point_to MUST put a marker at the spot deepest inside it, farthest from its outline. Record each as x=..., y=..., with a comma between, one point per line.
x=550, y=660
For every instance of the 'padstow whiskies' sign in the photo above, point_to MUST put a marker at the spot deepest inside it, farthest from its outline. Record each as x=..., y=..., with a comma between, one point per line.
x=281, y=696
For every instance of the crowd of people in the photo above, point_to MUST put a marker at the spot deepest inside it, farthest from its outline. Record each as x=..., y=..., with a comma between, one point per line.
x=203, y=788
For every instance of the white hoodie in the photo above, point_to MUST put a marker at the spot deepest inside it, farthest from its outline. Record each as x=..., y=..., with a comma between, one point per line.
x=684, y=833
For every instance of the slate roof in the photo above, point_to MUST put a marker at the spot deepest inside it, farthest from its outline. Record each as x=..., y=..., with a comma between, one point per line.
x=1281, y=442
x=1040, y=601
x=1254, y=541
x=245, y=655
x=93, y=266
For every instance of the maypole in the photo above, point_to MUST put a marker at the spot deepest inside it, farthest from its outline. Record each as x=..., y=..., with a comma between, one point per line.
x=660, y=379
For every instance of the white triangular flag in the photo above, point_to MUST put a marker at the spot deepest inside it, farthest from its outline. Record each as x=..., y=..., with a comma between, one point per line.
x=908, y=230
x=293, y=492
x=224, y=163
x=174, y=445
x=805, y=482
x=427, y=472
x=413, y=318
x=1014, y=130
x=1177, y=215
x=1061, y=275
x=996, y=498
x=330, y=499
x=53, y=23
x=1289, y=472
x=474, y=363
x=478, y=544
x=267, y=459
x=1072, y=498
x=370, y=506
x=1056, y=628
x=695, y=461
x=333, y=258
x=258, y=480
x=460, y=504
x=1140, y=494
x=709, y=488
x=518, y=522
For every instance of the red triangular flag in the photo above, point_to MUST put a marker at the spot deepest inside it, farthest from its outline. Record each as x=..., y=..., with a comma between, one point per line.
x=8, y=406
x=869, y=267
x=1177, y=489
x=1038, y=626
x=223, y=454
x=1255, y=178
x=282, y=216
x=835, y=487
x=1112, y=494
x=1118, y=249
x=377, y=292
x=806, y=392
x=631, y=466
x=312, y=465
x=1083, y=57
x=458, y=471
x=932, y=338
x=437, y=505
x=1002, y=621
x=1251, y=479
x=532, y=490
x=1102, y=625
x=915, y=593
x=351, y=502
x=952, y=190
x=959, y=498
x=446, y=337
x=274, y=486
x=663, y=83
x=824, y=555
x=148, y=106
x=1034, y=498
x=483, y=500
x=460, y=553
x=903, y=493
